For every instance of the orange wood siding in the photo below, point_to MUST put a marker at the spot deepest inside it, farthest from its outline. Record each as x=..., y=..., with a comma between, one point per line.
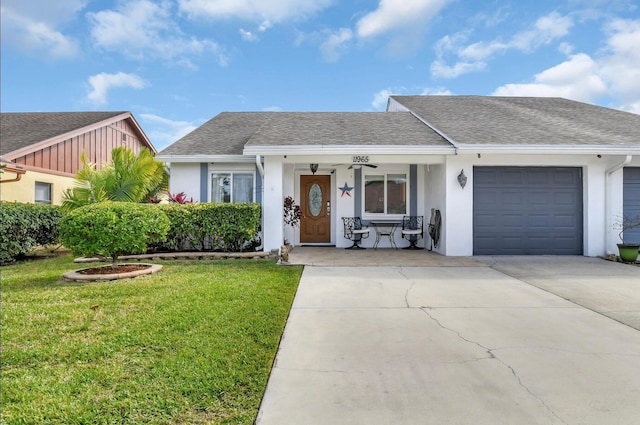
x=65, y=156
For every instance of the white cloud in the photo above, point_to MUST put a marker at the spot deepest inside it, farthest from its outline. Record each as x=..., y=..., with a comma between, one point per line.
x=380, y=99
x=631, y=107
x=248, y=35
x=621, y=64
x=35, y=26
x=163, y=131
x=546, y=30
x=473, y=57
x=575, y=79
x=336, y=44
x=394, y=15
x=143, y=29
x=615, y=73
x=437, y=91
x=439, y=69
x=272, y=109
x=102, y=83
x=263, y=11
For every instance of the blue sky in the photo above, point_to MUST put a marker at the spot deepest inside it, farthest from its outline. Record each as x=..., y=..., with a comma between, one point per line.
x=177, y=63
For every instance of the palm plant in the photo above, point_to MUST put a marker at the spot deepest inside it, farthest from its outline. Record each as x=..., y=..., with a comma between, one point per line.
x=128, y=178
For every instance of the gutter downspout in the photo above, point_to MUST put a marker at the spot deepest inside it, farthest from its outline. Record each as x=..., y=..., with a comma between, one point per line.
x=15, y=179
x=620, y=165
x=261, y=171
x=17, y=170
x=259, y=165
x=607, y=196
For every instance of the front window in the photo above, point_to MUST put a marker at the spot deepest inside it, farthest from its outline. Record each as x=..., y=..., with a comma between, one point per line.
x=231, y=187
x=385, y=194
x=43, y=193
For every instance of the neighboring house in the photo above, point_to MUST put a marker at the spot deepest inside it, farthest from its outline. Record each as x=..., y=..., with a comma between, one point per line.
x=543, y=175
x=42, y=150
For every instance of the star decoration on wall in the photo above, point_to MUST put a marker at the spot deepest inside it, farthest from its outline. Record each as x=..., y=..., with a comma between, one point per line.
x=346, y=190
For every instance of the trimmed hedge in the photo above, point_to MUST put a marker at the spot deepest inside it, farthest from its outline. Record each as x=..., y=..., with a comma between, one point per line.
x=26, y=226
x=111, y=229
x=192, y=227
x=211, y=227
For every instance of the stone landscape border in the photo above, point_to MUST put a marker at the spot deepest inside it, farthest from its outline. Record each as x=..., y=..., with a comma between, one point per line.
x=77, y=276
x=181, y=256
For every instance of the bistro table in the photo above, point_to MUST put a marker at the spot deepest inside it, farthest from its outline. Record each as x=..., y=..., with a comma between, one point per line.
x=385, y=228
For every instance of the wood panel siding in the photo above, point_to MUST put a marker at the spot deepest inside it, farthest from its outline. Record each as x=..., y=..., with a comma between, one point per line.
x=65, y=157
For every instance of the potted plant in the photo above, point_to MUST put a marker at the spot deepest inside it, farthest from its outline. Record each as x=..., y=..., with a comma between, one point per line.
x=628, y=250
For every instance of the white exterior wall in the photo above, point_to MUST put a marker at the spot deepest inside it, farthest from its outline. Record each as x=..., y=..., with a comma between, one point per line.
x=593, y=214
x=599, y=194
x=185, y=177
x=435, y=197
x=615, y=208
x=272, y=206
x=437, y=188
x=457, y=222
x=291, y=234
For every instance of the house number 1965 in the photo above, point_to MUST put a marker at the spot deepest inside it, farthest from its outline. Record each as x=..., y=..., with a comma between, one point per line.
x=360, y=159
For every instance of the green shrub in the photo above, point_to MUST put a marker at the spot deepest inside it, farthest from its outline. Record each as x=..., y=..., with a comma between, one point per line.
x=182, y=228
x=111, y=229
x=25, y=226
x=230, y=226
x=212, y=226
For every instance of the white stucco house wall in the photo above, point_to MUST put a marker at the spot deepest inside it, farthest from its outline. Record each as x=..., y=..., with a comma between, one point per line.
x=543, y=175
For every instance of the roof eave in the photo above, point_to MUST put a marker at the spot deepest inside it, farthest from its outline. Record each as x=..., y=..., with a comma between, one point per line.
x=549, y=149
x=145, y=138
x=204, y=158
x=349, y=149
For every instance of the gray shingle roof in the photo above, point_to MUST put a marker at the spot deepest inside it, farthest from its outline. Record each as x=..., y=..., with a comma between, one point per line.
x=22, y=129
x=345, y=128
x=525, y=121
x=224, y=134
x=229, y=132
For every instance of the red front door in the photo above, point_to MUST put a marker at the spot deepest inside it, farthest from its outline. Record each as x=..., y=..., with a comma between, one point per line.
x=315, y=205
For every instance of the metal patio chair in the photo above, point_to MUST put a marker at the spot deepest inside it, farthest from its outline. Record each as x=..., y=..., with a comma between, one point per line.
x=354, y=231
x=412, y=230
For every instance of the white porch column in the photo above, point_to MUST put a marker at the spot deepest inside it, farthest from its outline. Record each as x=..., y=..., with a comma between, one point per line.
x=272, y=203
x=594, y=206
x=615, y=209
x=458, y=222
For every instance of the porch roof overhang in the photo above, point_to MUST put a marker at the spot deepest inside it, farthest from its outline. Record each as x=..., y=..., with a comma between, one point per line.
x=205, y=158
x=326, y=150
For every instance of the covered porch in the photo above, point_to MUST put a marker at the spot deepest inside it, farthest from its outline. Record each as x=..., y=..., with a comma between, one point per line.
x=376, y=188
x=329, y=256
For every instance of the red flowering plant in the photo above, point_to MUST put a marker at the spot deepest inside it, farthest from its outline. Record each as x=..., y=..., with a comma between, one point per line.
x=291, y=212
x=179, y=198
x=176, y=198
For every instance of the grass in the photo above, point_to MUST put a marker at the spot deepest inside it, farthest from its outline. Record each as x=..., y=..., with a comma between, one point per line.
x=192, y=344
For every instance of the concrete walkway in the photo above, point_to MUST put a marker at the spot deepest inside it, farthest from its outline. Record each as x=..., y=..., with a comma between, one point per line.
x=458, y=345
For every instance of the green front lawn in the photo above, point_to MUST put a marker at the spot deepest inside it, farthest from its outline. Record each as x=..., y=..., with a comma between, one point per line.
x=192, y=344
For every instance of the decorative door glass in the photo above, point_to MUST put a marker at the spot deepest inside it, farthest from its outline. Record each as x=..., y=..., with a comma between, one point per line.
x=315, y=200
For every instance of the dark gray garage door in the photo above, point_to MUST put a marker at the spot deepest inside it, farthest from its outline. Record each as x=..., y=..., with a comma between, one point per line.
x=631, y=197
x=527, y=211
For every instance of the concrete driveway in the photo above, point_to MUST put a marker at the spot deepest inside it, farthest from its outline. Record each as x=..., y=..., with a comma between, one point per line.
x=461, y=345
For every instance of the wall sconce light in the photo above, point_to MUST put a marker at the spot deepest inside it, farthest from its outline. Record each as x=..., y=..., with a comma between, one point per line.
x=462, y=179
x=313, y=168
